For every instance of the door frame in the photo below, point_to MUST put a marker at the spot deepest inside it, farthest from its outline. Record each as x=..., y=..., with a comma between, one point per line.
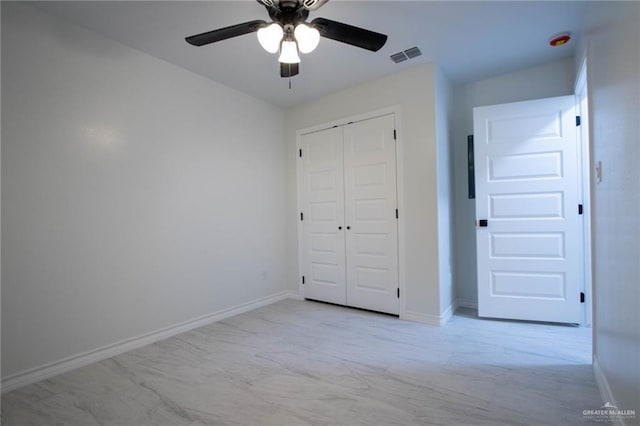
x=581, y=90
x=396, y=111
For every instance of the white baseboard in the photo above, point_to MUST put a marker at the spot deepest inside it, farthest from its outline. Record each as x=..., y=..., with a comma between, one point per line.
x=603, y=387
x=601, y=380
x=446, y=315
x=49, y=370
x=295, y=296
x=436, y=320
x=467, y=303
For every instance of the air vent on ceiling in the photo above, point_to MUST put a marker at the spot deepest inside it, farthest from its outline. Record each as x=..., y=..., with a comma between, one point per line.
x=413, y=52
x=407, y=54
x=399, y=57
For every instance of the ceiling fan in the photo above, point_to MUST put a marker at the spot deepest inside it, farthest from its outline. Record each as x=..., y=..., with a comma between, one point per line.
x=289, y=32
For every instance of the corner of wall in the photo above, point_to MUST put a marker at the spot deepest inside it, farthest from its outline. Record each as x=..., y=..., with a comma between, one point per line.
x=428, y=319
x=443, y=96
x=601, y=380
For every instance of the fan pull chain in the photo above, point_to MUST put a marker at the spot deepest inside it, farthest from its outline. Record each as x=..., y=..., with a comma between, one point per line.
x=289, y=83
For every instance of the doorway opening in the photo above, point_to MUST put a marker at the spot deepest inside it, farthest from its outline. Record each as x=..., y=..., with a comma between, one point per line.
x=533, y=215
x=532, y=185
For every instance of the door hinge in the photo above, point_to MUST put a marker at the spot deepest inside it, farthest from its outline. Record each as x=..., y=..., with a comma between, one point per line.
x=396, y=213
x=578, y=120
x=581, y=297
x=579, y=208
x=398, y=293
x=300, y=151
x=395, y=136
x=303, y=280
x=301, y=216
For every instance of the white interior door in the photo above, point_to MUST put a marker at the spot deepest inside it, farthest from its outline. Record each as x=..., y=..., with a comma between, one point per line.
x=322, y=199
x=527, y=183
x=370, y=214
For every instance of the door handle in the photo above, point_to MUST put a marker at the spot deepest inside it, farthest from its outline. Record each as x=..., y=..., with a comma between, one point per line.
x=483, y=223
x=348, y=227
x=339, y=228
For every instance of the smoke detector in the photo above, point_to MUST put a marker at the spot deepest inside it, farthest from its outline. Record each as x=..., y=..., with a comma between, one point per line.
x=560, y=39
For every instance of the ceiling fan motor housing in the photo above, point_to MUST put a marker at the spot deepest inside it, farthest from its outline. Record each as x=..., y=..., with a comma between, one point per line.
x=288, y=16
x=289, y=4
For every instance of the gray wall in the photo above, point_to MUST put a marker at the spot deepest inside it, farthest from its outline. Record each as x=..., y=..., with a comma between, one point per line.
x=613, y=73
x=554, y=79
x=134, y=194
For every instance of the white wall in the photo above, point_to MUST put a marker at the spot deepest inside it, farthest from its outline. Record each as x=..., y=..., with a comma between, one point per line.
x=553, y=79
x=613, y=72
x=414, y=91
x=444, y=165
x=135, y=195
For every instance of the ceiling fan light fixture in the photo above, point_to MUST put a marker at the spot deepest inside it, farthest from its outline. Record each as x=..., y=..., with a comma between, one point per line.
x=307, y=38
x=288, y=33
x=289, y=53
x=270, y=37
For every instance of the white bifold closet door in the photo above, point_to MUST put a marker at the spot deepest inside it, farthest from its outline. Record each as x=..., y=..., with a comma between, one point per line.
x=349, y=215
x=322, y=216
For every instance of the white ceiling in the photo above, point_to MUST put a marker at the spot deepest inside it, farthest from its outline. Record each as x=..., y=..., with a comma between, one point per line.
x=469, y=40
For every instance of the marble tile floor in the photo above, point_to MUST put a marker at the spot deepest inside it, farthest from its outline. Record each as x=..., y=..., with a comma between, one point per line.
x=308, y=363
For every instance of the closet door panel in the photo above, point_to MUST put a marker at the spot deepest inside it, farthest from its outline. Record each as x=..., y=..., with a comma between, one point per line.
x=370, y=214
x=323, y=209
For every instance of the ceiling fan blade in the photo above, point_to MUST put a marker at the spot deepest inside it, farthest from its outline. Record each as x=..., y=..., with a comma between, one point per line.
x=349, y=34
x=289, y=70
x=313, y=4
x=292, y=4
x=225, y=33
x=269, y=3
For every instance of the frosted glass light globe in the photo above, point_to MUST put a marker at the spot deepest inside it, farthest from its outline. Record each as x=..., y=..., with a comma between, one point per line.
x=270, y=36
x=289, y=53
x=307, y=38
